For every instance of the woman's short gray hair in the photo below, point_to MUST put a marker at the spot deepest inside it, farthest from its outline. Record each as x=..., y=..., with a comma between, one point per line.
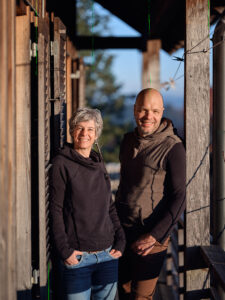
x=86, y=114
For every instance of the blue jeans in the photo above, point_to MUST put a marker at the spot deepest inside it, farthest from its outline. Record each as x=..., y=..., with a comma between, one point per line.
x=94, y=277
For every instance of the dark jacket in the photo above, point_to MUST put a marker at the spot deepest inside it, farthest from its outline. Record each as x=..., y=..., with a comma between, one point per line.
x=83, y=216
x=151, y=194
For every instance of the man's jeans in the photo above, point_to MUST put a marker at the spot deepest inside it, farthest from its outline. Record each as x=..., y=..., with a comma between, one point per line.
x=94, y=277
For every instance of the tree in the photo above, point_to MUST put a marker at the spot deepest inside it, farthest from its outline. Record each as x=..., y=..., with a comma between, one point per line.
x=102, y=90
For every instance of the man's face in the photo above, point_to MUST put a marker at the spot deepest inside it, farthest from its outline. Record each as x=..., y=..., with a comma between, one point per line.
x=148, y=112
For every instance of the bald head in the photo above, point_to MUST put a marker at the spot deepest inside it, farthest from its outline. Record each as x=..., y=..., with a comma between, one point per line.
x=148, y=111
x=147, y=95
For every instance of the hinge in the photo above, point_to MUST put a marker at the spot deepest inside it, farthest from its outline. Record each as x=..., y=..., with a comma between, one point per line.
x=54, y=48
x=35, y=277
x=75, y=75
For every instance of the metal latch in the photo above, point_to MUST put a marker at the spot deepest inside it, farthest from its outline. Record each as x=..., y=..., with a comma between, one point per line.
x=35, y=277
x=33, y=49
x=75, y=75
x=54, y=48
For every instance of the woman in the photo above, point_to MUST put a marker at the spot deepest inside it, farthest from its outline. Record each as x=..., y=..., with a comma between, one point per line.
x=86, y=230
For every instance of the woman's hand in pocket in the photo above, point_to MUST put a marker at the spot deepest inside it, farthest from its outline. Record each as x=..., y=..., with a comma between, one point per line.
x=72, y=259
x=115, y=253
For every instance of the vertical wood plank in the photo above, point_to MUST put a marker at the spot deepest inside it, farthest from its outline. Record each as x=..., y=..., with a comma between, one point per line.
x=197, y=98
x=75, y=85
x=151, y=65
x=81, y=95
x=69, y=93
x=44, y=144
x=59, y=82
x=7, y=152
x=23, y=184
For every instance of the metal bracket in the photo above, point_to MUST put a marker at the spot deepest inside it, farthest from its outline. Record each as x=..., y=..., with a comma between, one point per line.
x=35, y=277
x=33, y=49
x=54, y=48
x=75, y=75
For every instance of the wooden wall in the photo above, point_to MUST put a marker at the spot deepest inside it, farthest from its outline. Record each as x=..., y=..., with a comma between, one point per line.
x=44, y=113
x=17, y=54
x=7, y=152
x=197, y=99
x=23, y=155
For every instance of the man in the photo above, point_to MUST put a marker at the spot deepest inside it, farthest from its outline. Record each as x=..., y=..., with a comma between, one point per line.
x=151, y=195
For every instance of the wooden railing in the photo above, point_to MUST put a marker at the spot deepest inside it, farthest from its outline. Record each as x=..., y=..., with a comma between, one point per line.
x=175, y=262
x=214, y=258
x=173, y=274
x=211, y=257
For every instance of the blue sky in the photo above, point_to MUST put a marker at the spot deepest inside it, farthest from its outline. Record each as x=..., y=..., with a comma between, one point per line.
x=128, y=63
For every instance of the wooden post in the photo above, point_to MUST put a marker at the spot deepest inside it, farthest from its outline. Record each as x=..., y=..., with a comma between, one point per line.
x=23, y=157
x=59, y=53
x=69, y=93
x=71, y=80
x=151, y=65
x=81, y=96
x=7, y=152
x=43, y=146
x=197, y=99
x=75, y=85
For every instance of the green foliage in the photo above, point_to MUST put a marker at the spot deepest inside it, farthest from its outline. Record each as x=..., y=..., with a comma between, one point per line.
x=102, y=89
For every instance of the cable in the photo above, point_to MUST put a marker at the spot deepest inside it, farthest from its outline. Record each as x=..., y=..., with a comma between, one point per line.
x=167, y=84
x=199, y=166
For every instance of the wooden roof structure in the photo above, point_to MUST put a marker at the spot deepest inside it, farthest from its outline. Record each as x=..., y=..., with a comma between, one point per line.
x=167, y=22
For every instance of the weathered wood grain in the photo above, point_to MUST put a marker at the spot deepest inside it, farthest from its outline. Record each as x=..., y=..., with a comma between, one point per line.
x=7, y=152
x=69, y=93
x=43, y=140
x=197, y=98
x=23, y=156
x=151, y=65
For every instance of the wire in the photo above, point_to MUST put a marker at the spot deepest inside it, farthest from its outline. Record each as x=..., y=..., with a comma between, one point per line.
x=199, y=166
x=177, y=70
x=171, y=83
x=206, y=50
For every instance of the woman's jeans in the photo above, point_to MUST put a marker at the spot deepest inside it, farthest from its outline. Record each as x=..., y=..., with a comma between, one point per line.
x=94, y=277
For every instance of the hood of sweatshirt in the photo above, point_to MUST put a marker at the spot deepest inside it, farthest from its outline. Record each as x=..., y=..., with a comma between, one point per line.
x=68, y=152
x=165, y=129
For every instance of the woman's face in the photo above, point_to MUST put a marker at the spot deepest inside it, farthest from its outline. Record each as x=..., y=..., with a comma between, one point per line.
x=84, y=135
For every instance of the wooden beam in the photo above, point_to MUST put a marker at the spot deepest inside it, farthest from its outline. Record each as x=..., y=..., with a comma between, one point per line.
x=75, y=85
x=198, y=294
x=23, y=157
x=43, y=145
x=197, y=98
x=81, y=89
x=7, y=152
x=215, y=259
x=69, y=93
x=100, y=42
x=151, y=65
